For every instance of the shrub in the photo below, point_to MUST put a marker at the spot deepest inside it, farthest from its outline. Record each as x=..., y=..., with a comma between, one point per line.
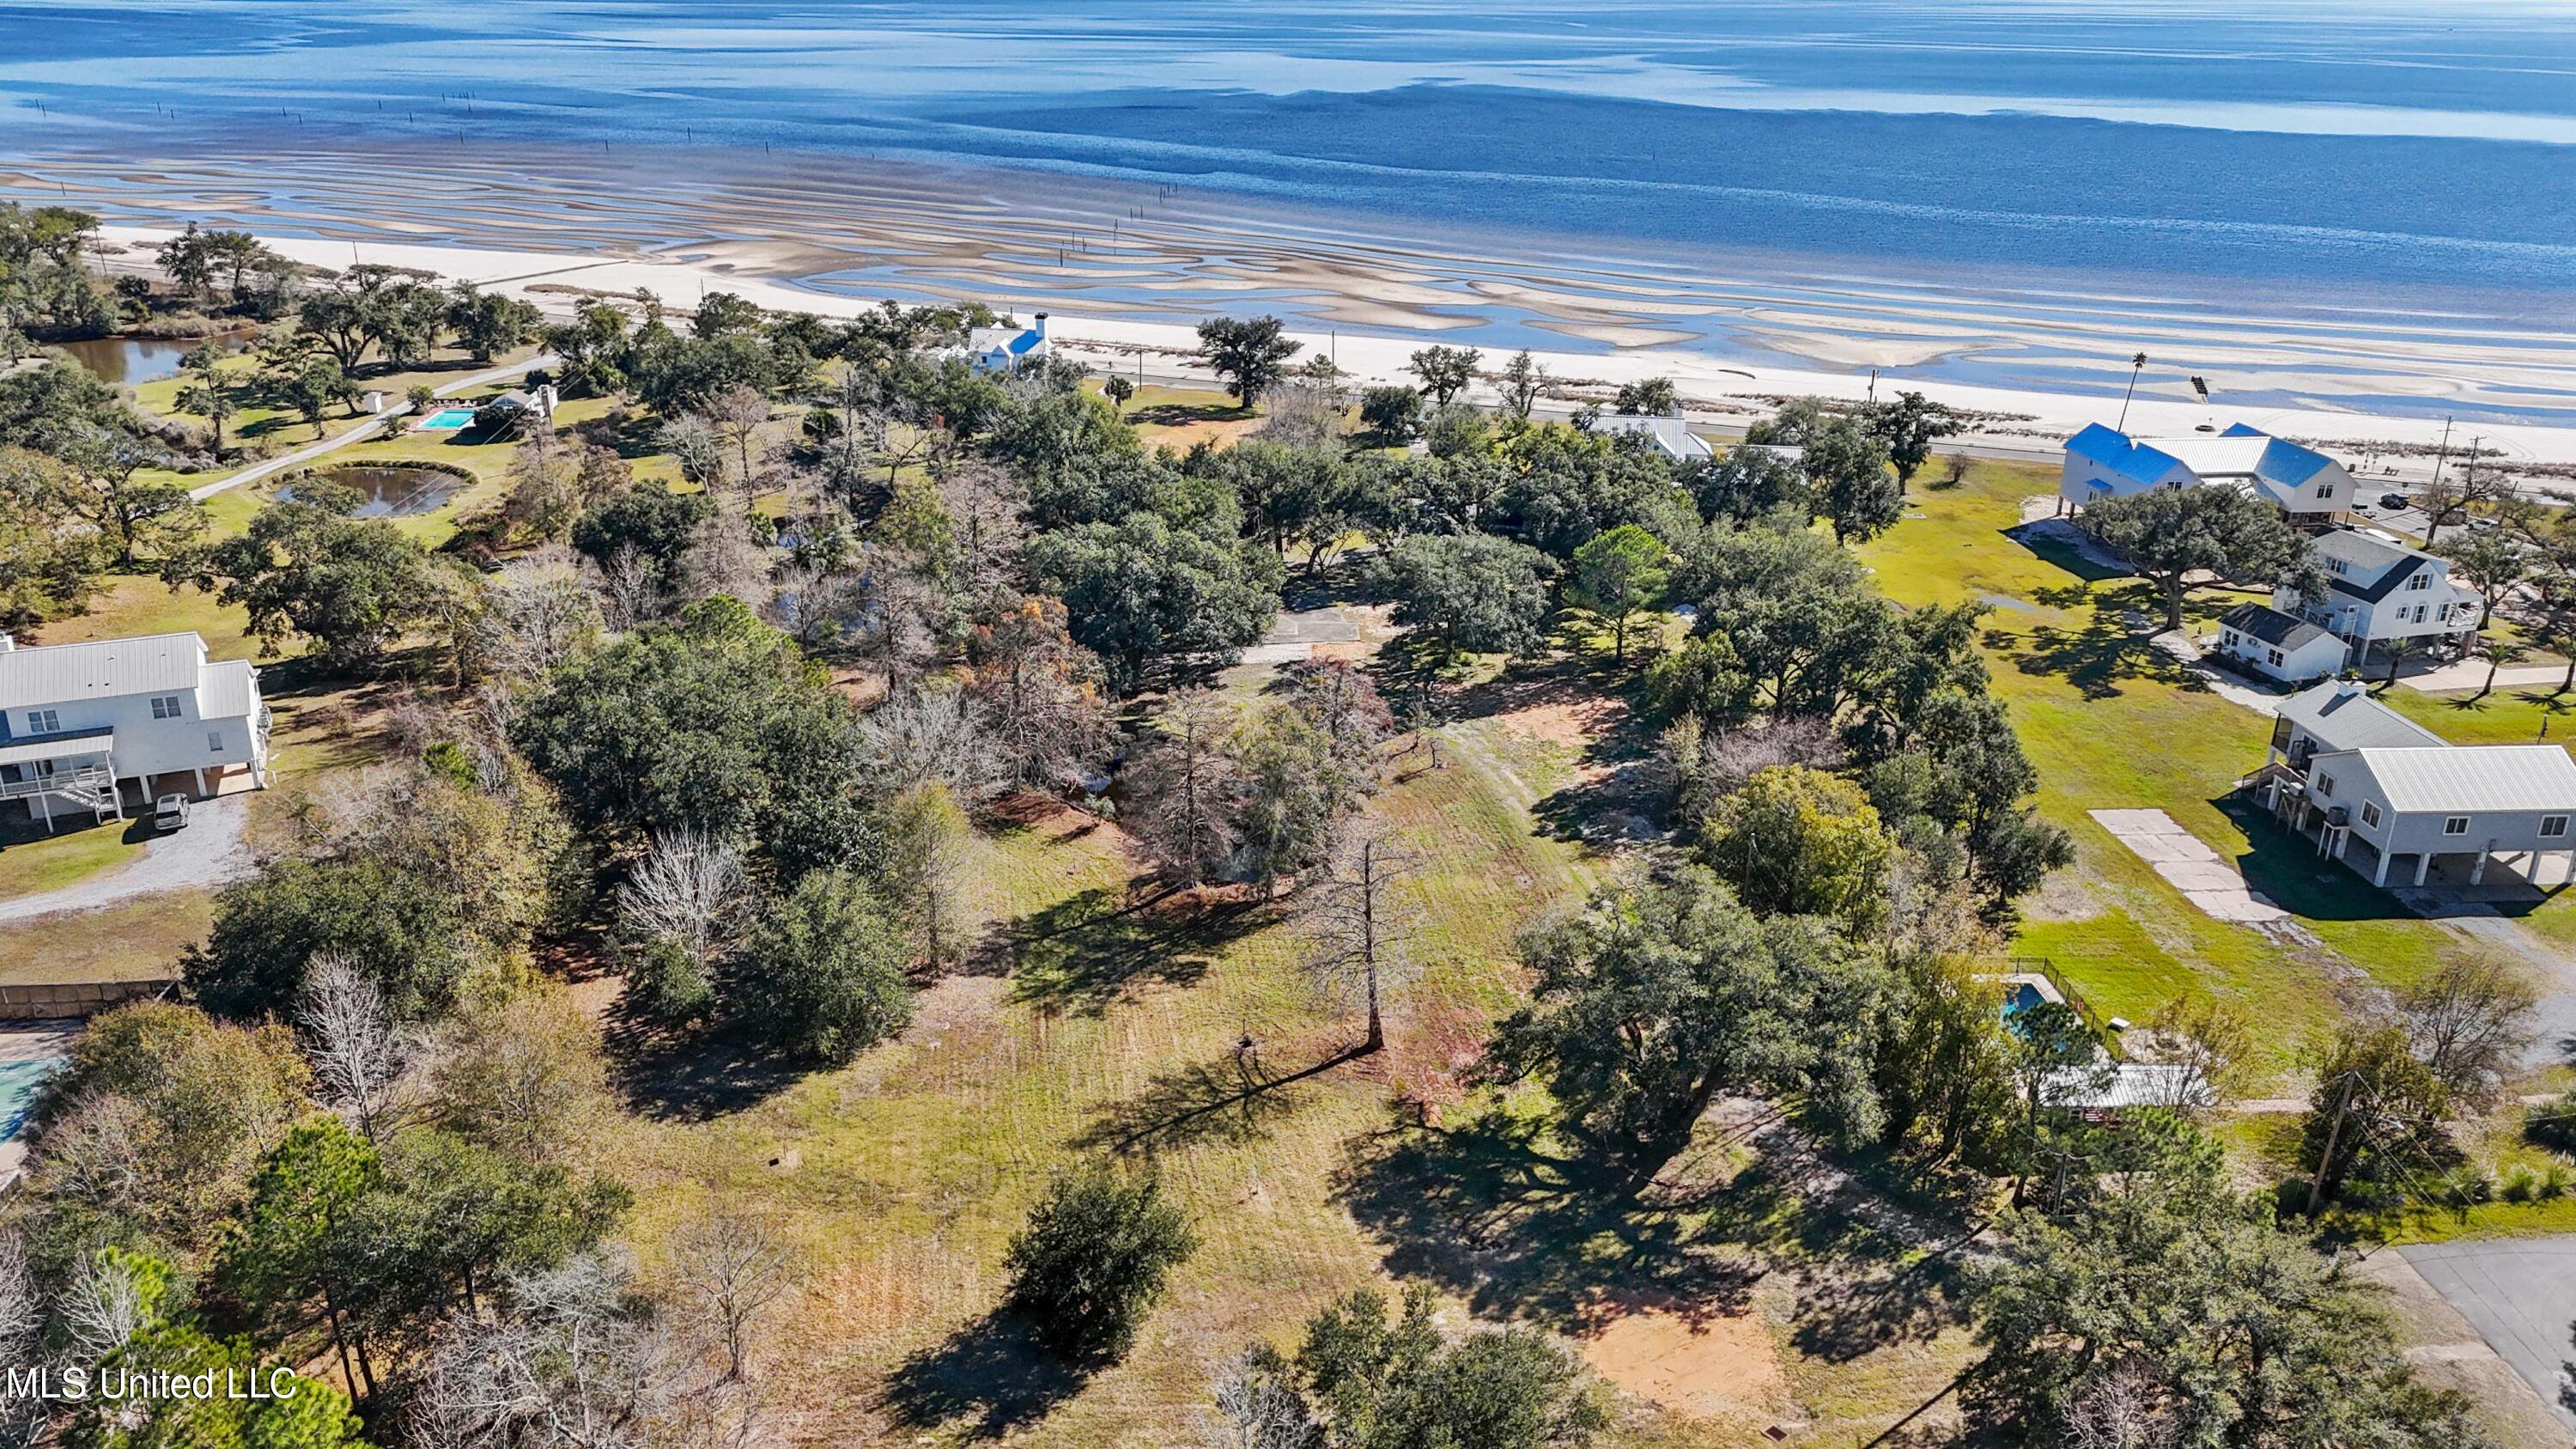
x=826, y=970
x=1092, y=1261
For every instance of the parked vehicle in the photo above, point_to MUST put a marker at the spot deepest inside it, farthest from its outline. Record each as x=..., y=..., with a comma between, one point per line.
x=2392, y=500
x=170, y=813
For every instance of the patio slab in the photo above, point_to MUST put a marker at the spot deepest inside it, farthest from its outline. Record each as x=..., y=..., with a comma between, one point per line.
x=2190, y=866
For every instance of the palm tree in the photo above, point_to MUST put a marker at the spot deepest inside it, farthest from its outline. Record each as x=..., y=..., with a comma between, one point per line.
x=2137, y=365
x=2398, y=650
x=2499, y=652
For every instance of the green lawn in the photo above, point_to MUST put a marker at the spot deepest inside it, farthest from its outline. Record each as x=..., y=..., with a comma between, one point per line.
x=2113, y=723
x=33, y=861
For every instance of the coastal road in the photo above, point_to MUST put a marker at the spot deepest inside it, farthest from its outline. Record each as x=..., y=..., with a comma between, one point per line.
x=2520, y=1295
x=363, y=431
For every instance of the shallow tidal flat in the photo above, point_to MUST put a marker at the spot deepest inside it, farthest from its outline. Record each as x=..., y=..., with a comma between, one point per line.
x=867, y=227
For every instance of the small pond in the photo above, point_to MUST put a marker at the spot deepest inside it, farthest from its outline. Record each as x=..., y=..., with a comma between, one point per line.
x=392, y=491
x=128, y=361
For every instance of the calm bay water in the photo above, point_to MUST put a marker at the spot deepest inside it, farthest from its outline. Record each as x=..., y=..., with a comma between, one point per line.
x=2389, y=161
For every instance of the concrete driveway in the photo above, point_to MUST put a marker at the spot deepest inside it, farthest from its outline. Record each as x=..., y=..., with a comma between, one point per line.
x=2520, y=1295
x=208, y=853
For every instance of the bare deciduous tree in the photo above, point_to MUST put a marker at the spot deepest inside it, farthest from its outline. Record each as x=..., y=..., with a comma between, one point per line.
x=984, y=502
x=357, y=1053
x=2469, y=1022
x=733, y=1269
x=1355, y=910
x=926, y=737
x=630, y=592
x=579, y=1361
x=724, y=558
x=537, y=613
x=1187, y=791
x=22, y=1308
x=2121, y=1408
x=1261, y=1409
x=689, y=893
x=104, y=1307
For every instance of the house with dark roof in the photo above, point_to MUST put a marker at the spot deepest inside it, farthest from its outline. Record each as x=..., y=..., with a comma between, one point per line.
x=80, y=721
x=2385, y=795
x=1007, y=349
x=2279, y=646
x=2305, y=484
x=2380, y=591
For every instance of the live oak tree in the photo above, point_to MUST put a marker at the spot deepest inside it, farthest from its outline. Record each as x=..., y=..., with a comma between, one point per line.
x=2169, y=534
x=306, y=567
x=1445, y=371
x=1907, y=428
x=1664, y=994
x=1849, y=472
x=1470, y=593
x=1140, y=592
x=2159, y=1307
x=1521, y=380
x=1247, y=353
x=1359, y=1381
x=212, y=392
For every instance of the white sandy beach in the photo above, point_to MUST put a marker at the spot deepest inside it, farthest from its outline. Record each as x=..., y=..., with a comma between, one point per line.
x=1719, y=391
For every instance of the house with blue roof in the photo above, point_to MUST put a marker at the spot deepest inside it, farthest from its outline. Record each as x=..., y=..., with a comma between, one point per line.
x=2311, y=488
x=1007, y=349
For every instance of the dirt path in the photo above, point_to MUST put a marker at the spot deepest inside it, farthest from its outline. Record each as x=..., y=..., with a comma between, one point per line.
x=208, y=853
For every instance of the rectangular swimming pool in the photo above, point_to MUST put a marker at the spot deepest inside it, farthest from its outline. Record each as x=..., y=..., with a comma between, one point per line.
x=19, y=1082
x=447, y=419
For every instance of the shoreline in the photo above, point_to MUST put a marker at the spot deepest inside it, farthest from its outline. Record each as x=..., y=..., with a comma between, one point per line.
x=1128, y=250
x=1717, y=391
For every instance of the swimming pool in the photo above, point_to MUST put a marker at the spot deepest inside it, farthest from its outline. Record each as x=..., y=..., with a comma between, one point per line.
x=19, y=1081
x=2022, y=997
x=446, y=419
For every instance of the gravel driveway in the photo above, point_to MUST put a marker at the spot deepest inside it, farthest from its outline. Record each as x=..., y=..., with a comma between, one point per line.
x=208, y=853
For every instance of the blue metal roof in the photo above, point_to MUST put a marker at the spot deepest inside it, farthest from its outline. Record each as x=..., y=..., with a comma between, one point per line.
x=2120, y=453
x=2289, y=463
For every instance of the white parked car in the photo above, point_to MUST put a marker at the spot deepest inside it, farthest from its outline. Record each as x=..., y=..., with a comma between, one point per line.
x=170, y=812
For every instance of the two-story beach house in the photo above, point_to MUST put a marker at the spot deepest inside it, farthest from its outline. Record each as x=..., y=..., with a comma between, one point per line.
x=2379, y=590
x=2373, y=789
x=2305, y=484
x=79, y=722
x=1007, y=349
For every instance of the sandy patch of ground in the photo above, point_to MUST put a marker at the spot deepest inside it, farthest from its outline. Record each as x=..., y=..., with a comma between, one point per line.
x=1718, y=1368
x=1576, y=722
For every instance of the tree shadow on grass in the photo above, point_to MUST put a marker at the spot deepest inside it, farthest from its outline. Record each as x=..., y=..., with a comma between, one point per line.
x=1490, y=1212
x=984, y=1381
x=1093, y=949
x=2097, y=659
x=1233, y=1099
x=680, y=1076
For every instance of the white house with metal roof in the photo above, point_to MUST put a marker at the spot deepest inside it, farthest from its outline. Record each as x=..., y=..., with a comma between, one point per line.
x=2303, y=483
x=1008, y=349
x=2346, y=770
x=80, y=721
x=1669, y=436
x=2379, y=590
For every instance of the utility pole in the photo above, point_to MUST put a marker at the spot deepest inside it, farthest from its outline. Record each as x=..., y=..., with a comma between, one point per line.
x=2334, y=1129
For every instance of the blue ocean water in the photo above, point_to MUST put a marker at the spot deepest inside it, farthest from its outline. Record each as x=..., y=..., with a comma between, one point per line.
x=2399, y=159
